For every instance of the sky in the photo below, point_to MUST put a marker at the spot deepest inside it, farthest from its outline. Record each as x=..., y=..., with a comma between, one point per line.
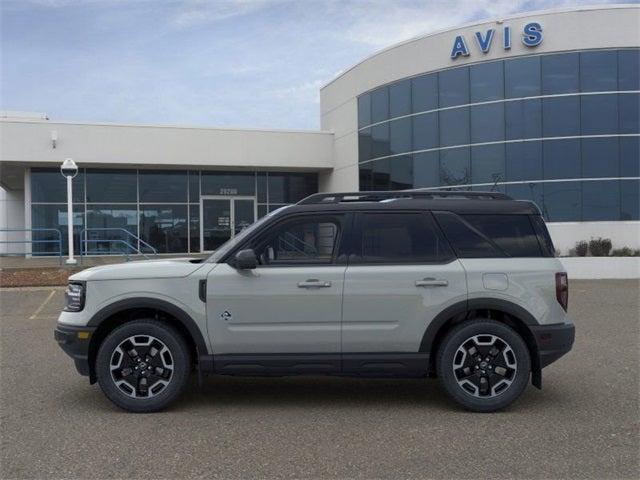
x=227, y=63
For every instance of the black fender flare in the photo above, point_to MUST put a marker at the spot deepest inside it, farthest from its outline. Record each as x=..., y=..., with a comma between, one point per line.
x=461, y=309
x=156, y=304
x=505, y=306
x=464, y=307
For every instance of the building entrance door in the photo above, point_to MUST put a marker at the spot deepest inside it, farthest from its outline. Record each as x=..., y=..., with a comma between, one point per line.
x=221, y=218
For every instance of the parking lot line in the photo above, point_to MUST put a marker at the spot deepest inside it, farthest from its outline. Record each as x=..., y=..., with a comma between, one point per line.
x=31, y=289
x=42, y=305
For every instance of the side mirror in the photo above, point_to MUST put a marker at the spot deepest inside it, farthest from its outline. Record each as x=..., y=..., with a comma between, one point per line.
x=246, y=260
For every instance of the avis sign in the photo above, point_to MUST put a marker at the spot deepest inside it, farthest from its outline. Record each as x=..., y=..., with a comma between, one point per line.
x=531, y=37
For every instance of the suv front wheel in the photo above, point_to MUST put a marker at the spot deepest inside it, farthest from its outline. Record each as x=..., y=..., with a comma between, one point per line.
x=484, y=365
x=143, y=365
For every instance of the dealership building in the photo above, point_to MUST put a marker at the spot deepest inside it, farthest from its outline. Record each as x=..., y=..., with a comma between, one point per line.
x=542, y=106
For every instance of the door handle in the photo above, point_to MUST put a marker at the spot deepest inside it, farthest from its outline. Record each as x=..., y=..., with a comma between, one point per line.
x=313, y=283
x=431, y=282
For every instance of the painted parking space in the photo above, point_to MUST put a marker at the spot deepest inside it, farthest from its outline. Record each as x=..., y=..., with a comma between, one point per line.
x=31, y=302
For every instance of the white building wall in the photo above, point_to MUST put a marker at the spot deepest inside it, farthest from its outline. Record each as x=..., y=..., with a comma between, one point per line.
x=29, y=141
x=11, y=217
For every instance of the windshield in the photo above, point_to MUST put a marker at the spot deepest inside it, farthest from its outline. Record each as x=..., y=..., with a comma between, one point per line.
x=230, y=244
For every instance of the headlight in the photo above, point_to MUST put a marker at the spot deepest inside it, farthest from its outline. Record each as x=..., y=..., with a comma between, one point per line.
x=74, y=297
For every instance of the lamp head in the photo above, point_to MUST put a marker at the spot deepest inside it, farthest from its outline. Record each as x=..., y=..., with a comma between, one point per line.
x=69, y=169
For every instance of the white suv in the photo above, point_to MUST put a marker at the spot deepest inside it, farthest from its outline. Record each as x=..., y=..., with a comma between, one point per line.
x=462, y=285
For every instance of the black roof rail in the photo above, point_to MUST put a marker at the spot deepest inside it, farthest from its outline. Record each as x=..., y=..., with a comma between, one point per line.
x=377, y=196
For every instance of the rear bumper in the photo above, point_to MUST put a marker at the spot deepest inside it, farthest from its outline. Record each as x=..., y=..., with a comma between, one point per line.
x=553, y=341
x=75, y=343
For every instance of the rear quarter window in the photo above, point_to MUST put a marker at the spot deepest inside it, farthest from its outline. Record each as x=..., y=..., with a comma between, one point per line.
x=543, y=236
x=466, y=242
x=485, y=236
x=514, y=234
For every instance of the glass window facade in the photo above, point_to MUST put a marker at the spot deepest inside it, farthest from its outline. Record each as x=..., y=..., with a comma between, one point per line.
x=598, y=72
x=166, y=227
x=554, y=128
x=425, y=131
x=48, y=185
x=453, y=87
x=55, y=217
x=522, y=77
x=400, y=99
x=486, y=81
x=487, y=123
x=380, y=105
x=107, y=186
x=424, y=93
x=523, y=119
x=161, y=207
x=163, y=186
x=560, y=73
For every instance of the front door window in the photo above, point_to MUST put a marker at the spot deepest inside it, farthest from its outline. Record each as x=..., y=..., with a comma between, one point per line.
x=224, y=217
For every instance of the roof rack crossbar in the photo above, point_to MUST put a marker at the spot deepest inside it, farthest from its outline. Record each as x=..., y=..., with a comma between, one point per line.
x=376, y=196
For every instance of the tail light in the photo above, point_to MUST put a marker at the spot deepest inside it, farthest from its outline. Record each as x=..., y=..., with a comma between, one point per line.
x=562, y=290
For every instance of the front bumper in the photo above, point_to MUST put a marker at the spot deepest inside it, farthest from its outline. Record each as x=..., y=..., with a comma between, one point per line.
x=75, y=343
x=553, y=341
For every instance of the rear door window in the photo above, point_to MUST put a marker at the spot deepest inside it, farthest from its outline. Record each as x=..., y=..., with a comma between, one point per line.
x=396, y=238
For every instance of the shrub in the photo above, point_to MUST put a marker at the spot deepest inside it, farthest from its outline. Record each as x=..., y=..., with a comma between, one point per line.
x=625, y=252
x=581, y=248
x=600, y=247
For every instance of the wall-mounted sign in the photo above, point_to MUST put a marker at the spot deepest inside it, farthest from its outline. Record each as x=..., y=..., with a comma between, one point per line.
x=531, y=37
x=228, y=191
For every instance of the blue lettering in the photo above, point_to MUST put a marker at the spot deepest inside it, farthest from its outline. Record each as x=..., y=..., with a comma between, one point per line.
x=506, y=38
x=485, y=43
x=459, y=48
x=532, y=34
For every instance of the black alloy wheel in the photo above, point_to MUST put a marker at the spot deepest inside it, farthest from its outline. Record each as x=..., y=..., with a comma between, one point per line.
x=143, y=365
x=484, y=365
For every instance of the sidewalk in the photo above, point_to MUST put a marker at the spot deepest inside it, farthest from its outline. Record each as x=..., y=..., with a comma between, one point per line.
x=20, y=271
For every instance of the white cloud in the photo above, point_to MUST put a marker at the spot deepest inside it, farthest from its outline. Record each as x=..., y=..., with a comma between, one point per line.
x=378, y=23
x=66, y=3
x=303, y=92
x=196, y=12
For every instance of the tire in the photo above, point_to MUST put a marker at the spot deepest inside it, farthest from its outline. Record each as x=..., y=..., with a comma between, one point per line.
x=462, y=364
x=143, y=366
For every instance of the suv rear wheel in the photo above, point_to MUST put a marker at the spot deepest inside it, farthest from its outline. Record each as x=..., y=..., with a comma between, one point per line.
x=142, y=366
x=484, y=365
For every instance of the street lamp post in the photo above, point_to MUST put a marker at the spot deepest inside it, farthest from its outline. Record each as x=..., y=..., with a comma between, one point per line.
x=69, y=169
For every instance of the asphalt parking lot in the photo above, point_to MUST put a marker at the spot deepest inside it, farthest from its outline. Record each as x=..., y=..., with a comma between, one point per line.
x=583, y=424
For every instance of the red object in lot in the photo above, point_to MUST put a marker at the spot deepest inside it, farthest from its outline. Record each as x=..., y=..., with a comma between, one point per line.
x=562, y=289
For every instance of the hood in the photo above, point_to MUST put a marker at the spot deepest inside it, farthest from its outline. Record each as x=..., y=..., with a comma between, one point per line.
x=169, y=268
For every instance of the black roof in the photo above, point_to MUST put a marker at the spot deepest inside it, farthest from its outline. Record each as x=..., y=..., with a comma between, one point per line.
x=452, y=201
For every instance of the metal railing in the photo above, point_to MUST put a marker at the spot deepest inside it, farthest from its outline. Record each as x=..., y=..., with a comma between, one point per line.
x=31, y=241
x=131, y=243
